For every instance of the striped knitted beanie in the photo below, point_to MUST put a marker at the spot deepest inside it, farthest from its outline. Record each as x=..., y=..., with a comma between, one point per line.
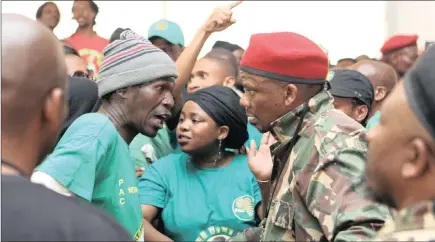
x=132, y=60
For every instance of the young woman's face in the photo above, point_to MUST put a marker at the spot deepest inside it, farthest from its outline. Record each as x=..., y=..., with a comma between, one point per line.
x=196, y=131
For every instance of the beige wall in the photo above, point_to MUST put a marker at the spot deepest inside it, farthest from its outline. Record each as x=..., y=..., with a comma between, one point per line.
x=411, y=17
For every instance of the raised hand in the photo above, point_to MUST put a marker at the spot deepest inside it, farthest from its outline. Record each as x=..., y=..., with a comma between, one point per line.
x=221, y=18
x=260, y=160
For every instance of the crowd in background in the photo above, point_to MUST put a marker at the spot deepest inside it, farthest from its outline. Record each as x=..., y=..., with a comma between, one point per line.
x=145, y=141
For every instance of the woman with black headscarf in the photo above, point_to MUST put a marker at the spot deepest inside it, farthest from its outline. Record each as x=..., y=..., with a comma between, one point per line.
x=206, y=193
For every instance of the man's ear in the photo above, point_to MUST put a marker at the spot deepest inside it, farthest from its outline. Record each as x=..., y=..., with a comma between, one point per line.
x=361, y=113
x=290, y=93
x=123, y=92
x=229, y=81
x=380, y=93
x=417, y=162
x=54, y=110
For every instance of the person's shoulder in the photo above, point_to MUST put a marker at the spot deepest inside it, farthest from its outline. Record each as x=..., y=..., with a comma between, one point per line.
x=171, y=160
x=91, y=124
x=337, y=134
x=67, y=216
x=334, y=125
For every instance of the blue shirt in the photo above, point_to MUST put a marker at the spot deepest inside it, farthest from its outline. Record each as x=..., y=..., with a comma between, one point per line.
x=373, y=120
x=254, y=134
x=201, y=204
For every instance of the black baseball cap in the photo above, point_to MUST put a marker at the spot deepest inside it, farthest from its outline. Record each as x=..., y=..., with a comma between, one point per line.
x=352, y=84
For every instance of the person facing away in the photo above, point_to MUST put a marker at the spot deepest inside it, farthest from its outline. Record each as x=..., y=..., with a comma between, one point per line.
x=315, y=179
x=353, y=94
x=383, y=78
x=92, y=159
x=48, y=14
x=205, y=193
x=219, y=67
x=401, y=52
x=31, y=212
x=344, y=63
x=401, y=163
x=82, y=98
x=85, y=40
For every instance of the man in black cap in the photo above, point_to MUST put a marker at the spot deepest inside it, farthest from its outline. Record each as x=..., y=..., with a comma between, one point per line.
x=401, y=159
x=353, y=94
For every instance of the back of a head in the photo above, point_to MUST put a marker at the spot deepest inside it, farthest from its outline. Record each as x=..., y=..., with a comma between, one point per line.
x=33, y=80
x=225, y=45
x=226, y=57
x=82, y=98
x=379, y=73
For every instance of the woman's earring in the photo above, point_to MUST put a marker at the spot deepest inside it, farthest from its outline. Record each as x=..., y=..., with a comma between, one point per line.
x=219, y=156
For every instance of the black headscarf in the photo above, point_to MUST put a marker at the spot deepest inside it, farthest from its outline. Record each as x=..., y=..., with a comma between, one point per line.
x=222, y=105
x=82, y=97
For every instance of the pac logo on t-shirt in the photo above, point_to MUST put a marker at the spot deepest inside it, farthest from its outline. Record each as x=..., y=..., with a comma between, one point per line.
x=243, y=208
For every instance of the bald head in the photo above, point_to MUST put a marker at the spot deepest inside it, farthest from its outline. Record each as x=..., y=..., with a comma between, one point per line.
x=379, y=73
x=382, y=76
x=33, y=80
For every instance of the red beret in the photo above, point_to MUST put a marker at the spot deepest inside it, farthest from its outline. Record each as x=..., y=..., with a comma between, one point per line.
x=285, y=56
x=396, y=42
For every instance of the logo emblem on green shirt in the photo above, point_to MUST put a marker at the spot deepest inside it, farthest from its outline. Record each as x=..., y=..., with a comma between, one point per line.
x=243, y=208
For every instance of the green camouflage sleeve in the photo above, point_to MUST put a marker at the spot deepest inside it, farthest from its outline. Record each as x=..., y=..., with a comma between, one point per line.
x=334, y=192
x=250, y=234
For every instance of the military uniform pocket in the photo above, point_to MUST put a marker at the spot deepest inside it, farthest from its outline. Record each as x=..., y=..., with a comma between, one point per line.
x=283, y=214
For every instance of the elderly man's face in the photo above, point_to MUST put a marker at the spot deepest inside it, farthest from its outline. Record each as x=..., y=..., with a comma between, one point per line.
x=263, y=99
x=149, y=105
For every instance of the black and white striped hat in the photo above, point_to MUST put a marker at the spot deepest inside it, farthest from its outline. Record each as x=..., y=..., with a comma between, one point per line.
x=132, y=60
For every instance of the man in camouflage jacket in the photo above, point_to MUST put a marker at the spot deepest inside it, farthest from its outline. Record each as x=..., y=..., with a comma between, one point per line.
x=315, y=189
x=401, y=163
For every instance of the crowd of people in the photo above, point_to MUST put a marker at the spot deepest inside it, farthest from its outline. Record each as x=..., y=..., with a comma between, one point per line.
x=135, y=138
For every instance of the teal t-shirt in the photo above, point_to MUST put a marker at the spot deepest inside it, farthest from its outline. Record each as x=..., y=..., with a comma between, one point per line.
x=201, y=204
x=254, y=134
x=93, y=162
x=373, y=120
x=155, y=148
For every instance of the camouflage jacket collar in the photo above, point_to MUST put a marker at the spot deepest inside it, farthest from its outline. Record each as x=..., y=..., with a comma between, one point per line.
x=419, y=216
x=284, y=127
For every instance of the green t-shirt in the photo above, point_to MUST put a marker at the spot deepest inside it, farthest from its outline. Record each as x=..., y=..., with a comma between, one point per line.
x=165, y=143
x=373, y=120
x=93, y=162
x=201, y=204
x=153, y=149
x=254, y=134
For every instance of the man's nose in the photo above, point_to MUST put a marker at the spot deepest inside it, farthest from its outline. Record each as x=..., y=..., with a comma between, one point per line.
x=169, y=102
x=244, y=102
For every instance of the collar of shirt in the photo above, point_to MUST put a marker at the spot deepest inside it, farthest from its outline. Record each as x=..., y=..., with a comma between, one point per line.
x=418, y=216
x=284, y=127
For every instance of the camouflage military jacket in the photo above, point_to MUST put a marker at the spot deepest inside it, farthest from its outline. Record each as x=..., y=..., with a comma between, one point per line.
x=319, y=195
x=416, y=223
